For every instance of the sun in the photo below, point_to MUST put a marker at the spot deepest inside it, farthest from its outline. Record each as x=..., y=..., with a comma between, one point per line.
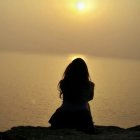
x=74, y=56
x=81, y=6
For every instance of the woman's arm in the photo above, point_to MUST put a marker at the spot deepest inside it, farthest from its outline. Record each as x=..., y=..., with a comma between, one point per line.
x=90, y=92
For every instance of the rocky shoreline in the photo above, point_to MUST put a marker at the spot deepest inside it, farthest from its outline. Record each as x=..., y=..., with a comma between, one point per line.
x=45, y=133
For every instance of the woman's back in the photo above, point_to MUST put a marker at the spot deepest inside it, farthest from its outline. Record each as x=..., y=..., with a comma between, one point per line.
x=77, y=92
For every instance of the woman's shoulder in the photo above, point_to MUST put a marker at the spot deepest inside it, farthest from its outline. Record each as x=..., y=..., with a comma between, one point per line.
x=91, y=83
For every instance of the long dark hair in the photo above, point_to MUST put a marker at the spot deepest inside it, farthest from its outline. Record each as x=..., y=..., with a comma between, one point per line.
x=75, y=76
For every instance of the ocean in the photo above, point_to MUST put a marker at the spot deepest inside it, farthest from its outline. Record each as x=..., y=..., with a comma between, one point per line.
x=29, y=95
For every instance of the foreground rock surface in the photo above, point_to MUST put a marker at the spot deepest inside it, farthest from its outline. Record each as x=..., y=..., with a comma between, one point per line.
x=45, y=133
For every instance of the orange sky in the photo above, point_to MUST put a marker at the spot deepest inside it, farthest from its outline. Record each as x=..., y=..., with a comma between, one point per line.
x=110, y=28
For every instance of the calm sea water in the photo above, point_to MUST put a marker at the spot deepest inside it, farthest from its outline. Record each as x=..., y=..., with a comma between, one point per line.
x=29, y=96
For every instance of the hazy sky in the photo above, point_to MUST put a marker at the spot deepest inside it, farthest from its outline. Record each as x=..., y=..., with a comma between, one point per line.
x=109, y=28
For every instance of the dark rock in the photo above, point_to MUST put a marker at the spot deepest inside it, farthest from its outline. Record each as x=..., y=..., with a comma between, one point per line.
x=136, y=128
x=110, y=129
x=45, y=133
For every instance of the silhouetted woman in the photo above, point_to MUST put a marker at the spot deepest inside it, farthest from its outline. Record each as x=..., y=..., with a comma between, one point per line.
x=76, y=89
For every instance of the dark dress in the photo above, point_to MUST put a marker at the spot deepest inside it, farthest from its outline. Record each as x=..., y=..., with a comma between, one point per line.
x=75, y=111
x=80, y=119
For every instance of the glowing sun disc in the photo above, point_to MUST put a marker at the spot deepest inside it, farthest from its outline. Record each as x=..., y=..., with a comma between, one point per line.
x=81, y=6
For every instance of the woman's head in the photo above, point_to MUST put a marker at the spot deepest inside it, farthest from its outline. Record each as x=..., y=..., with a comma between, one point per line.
x=75, y=77
x=77, y=70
